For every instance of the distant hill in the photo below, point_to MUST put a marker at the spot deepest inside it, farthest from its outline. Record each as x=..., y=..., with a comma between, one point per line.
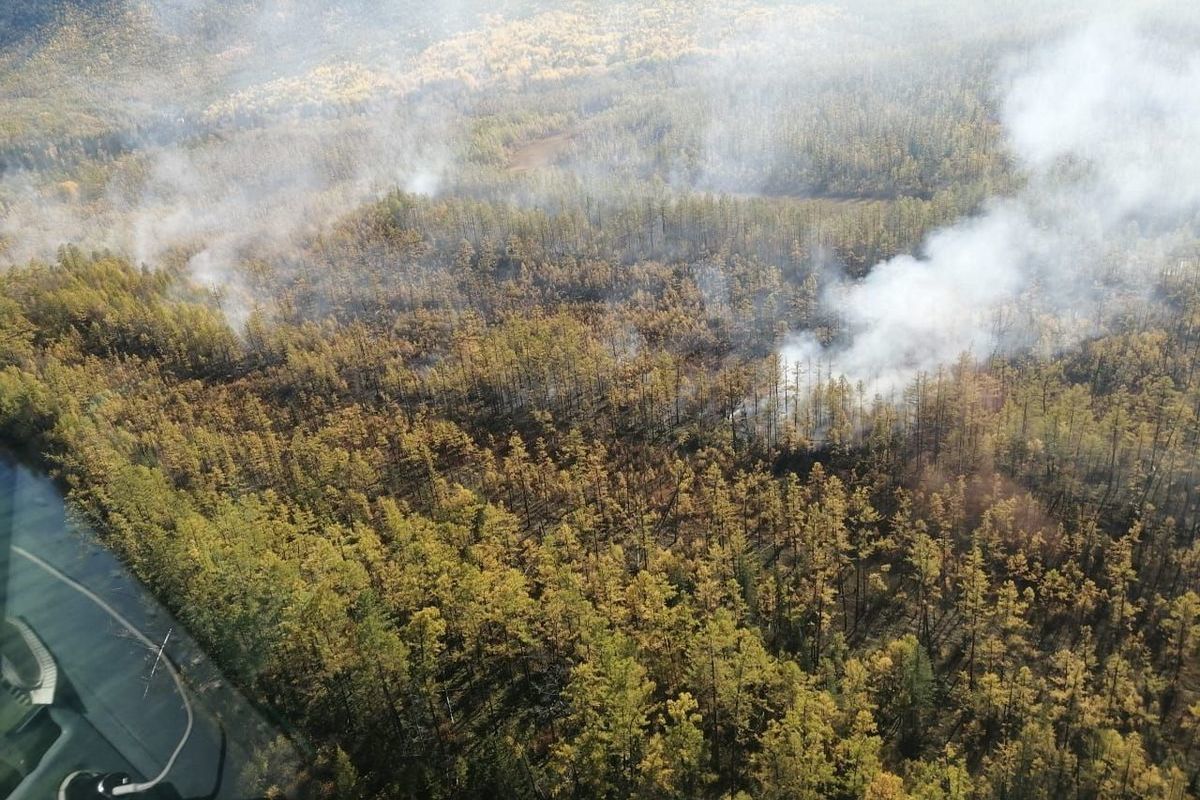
x=23, y=18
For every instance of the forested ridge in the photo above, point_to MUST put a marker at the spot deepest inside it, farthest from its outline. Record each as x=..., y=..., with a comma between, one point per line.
x=499, y=482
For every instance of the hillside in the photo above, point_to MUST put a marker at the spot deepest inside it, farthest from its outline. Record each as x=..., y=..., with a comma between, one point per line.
x=645, y=399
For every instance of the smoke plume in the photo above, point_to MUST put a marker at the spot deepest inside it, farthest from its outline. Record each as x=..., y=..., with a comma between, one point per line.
x=237, y=130
x=1104, y=127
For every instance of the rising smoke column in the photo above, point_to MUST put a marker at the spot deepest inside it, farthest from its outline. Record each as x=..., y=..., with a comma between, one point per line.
x=1105, y=126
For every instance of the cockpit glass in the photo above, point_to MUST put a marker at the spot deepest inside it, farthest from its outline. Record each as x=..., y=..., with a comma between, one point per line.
x=101, y=686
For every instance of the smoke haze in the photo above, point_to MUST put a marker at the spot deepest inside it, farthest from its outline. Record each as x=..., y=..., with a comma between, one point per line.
x=1103, y=125
x=245, y=128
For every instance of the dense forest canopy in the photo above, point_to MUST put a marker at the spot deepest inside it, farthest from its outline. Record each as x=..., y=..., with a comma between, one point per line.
x=642, y=399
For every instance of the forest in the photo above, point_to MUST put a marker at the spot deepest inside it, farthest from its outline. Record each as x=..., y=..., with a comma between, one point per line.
x=506, y=483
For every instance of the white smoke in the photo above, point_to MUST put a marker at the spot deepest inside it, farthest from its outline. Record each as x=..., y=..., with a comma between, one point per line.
x=283, y=115
x=1105, y=126
x=297, y=115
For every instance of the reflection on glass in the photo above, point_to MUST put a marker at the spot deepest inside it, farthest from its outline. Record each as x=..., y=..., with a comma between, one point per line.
x=102, y=692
